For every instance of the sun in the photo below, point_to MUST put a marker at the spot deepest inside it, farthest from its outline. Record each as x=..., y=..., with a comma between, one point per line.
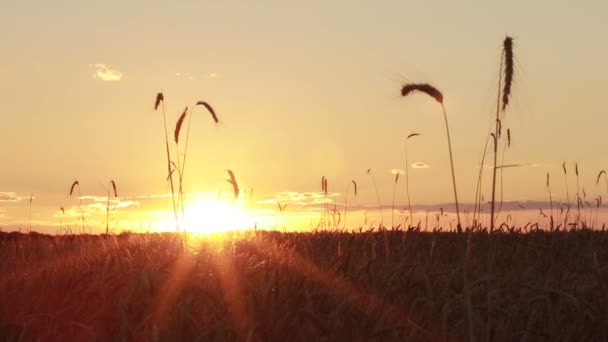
x=204, y=216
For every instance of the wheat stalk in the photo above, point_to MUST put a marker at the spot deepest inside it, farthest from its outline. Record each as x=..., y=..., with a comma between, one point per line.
x=438, y=96
x=599, y=175
x=74, y=184
x=112, y=188
x=506, y=60
x=394, y=195
x=235, y=185
x=183, y=164
x=30, y=213
x=161, y=99
x=578, y=196
x=550, y=198
x=509, y=66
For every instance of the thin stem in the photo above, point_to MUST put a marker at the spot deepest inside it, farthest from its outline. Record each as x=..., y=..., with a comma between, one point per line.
x=551, y=203
x=169, y=169
x=108, y=213
x=478, y=190
x=496, y=136
x=407, y=185
x=379, y=203
x=502, y=162
x=81, y=208
x=447, y=128
x=393, y=207
x=346, y=204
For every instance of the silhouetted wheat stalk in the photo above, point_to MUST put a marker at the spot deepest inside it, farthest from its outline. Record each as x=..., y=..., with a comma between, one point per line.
x=111, y=189
x=436, y=94
x=30, y=211
x=179, y=167
x=506, y=145
x=74, y=185
x=161, y=99
x=506, y=60
x=567, y=215
x=602, y=172
x=276, y=214
x=182, y=164
x=61, y=217
x=396, y=172
x=235, y=185
x=407, y=181
x=578, y=196
x=550, y=198
x=326, y=212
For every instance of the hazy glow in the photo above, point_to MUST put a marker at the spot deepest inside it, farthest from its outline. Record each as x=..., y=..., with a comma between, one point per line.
x=216, y=215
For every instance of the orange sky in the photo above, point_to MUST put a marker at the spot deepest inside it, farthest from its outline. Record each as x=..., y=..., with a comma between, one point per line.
x=303, y=91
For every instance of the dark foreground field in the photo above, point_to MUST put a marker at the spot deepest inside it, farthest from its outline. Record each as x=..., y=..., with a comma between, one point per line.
x=303, y=287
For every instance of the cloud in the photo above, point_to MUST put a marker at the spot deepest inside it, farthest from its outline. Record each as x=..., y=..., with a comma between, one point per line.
x=12, y=197
x=104, y=73
x=99, y=206
x=185, y=75
x=300, y=199
x=420, y=165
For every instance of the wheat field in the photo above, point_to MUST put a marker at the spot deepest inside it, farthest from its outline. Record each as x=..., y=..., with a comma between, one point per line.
x=332, y=286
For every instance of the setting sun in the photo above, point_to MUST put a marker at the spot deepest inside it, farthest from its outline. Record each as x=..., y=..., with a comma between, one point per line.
x=205, y=216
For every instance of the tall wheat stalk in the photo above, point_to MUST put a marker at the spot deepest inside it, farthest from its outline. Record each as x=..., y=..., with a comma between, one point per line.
x=182, y=162
x=438, y=96
x=160, y=98
x=506, y=66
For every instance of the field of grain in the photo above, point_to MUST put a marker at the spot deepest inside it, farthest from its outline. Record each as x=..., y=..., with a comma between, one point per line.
x=268, y=286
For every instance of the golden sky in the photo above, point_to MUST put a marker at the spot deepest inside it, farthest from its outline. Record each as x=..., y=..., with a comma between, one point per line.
x=302, y=89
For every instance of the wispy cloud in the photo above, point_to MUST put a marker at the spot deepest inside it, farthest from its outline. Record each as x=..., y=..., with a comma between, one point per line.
x=300, y=199
x=185, y=75
x=105, y=73
x=420, y=165
x=99, y=206
x=12, y=197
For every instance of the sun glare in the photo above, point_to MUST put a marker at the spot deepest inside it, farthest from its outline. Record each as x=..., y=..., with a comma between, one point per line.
x=205, y=216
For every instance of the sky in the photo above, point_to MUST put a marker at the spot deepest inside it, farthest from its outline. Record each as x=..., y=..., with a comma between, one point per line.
x=303, y=90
